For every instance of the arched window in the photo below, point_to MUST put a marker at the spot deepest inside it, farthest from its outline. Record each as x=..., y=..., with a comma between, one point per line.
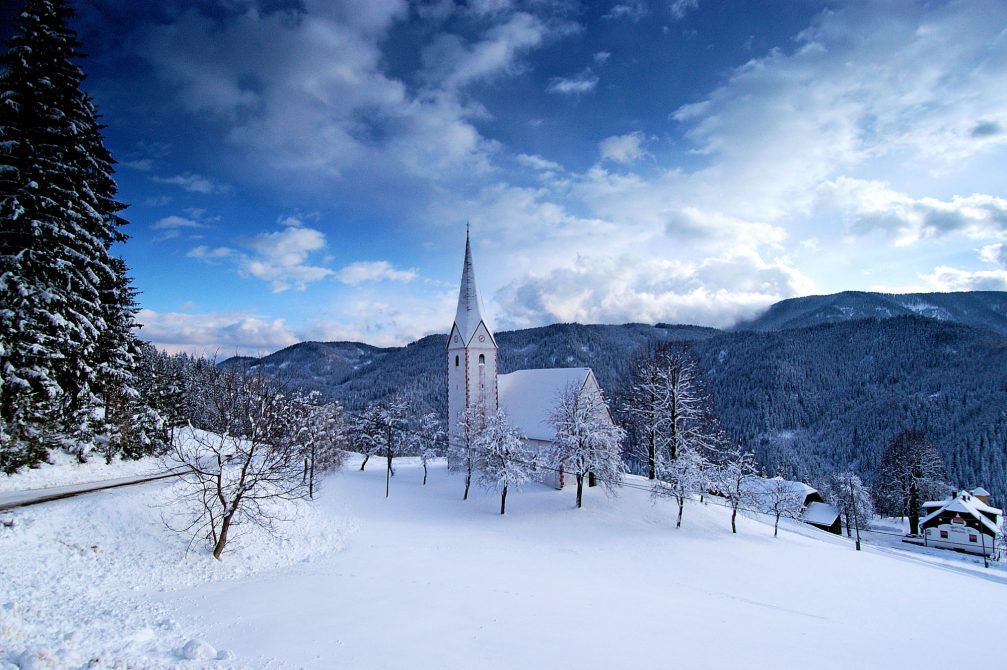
x=456, y=361
x=482, y=359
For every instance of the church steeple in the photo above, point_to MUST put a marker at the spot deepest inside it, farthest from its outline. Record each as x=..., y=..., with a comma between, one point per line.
x=472, y=354
x=470, y=310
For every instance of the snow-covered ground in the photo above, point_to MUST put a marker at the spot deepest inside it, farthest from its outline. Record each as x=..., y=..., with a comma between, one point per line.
x=65, y=470
x=425, y=580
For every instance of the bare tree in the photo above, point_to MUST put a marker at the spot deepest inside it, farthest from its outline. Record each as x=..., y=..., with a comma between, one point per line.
x=587, y=442
x=502, y=459
x=250, y=461
x=682, y=477
x=910, y=468
x=781, y=498
x=668, y=407
x=852, y=498
x=461, y=452
x=731, y=479
x=385, y=429
x=428, y=440
x=324, y=438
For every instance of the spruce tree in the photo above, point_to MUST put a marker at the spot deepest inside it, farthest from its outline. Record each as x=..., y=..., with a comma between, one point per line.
x=58, y=220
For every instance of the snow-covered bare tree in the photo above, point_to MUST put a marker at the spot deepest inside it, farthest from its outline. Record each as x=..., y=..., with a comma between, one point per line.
x=668, y=407
x=911, y=468
x=385, y=431
x=501, y=457
x=461, y=453
x=58, y=221
x=323, y=440
x=781, y=498
x=686, y=475
x=852, y=498
x=731, y=477
x=587, y=442
x=366, y=433
x=237, y=474
x=429, y=440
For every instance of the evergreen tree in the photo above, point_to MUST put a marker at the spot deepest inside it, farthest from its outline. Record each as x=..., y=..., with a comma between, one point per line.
x=58, y=219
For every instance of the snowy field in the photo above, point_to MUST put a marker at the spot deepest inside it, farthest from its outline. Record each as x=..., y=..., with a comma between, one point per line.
x=424, y=580
x=65, y=470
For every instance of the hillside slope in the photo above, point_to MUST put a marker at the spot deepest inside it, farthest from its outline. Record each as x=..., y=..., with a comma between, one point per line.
x=979, y=309
x=423, y=580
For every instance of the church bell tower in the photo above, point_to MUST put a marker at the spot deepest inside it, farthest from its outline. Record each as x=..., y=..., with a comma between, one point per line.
x=472, y=354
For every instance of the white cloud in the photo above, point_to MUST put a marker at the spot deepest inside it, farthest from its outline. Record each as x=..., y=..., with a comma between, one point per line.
x=538, y=163
x=582, y=82
x=369, y=271
x=281, y=257
x=218, y=335
x=193, y=183
x=623, y=148
x=679, y=8
x=994, y=253
x=944, y=278
x=870, y=205
x=601, y=57
x=632, y=10
x=717, y=291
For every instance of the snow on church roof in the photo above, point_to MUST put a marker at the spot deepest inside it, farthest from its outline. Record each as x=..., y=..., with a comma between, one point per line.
x=470, y=305
x=528, y=396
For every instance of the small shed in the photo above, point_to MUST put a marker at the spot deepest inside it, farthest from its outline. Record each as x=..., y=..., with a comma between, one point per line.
x=963, y=522
x=814, y=510
x=823, y=515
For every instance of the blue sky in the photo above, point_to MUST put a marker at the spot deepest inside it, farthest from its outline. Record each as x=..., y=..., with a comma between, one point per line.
x=305, y=170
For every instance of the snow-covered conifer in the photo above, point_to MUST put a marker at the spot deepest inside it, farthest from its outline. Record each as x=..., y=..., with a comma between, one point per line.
x=58, y=220
x=587, y=442
x=501, y=457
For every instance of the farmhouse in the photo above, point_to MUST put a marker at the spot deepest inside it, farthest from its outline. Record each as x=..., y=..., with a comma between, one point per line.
x=526, y=396
x=814, y=510
x=963, y=522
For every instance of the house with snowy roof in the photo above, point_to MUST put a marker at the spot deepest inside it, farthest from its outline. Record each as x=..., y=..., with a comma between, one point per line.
x=814, y=510
x=964, y=522
x=526, y=396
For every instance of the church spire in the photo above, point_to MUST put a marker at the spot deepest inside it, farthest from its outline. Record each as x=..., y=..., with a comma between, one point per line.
x=470, y=310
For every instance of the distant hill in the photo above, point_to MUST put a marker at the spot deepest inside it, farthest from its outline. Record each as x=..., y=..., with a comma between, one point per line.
x=980, y=309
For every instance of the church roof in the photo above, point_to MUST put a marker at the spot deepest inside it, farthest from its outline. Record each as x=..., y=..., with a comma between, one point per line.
x=528, y=397
x=470, y=305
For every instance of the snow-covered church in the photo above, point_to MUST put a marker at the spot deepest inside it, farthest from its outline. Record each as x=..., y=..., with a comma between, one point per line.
x=526, y=396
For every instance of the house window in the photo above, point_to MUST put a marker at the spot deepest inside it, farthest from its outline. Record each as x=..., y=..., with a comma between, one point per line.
x=456, y=361
x=973, y=538
x=482, y=359
x=944, y=535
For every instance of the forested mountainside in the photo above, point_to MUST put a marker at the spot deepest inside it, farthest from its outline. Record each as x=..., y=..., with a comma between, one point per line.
x=981, y=309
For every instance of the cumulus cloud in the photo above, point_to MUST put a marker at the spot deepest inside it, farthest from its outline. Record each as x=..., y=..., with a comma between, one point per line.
x=215, y=335
x=193, y=183
x=717, y=291
x=280, y=257
x=623, y=148
x=578, y=84
x=368, y=271
x=945, y=278
x=870, y=205
x=994, y=253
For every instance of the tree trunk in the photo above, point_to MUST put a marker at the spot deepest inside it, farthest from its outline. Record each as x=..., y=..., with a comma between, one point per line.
x=424, y=473
x=580, y=490
x=311, y=475
x=681, y=506
x=225, y=524
x=503, y=500
x=914, y=509
x=304, y=475
x=388, y=476
x=651, y=457
x=366, y=457
x=734, y=515
x=468, y=482
x=776, y=526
